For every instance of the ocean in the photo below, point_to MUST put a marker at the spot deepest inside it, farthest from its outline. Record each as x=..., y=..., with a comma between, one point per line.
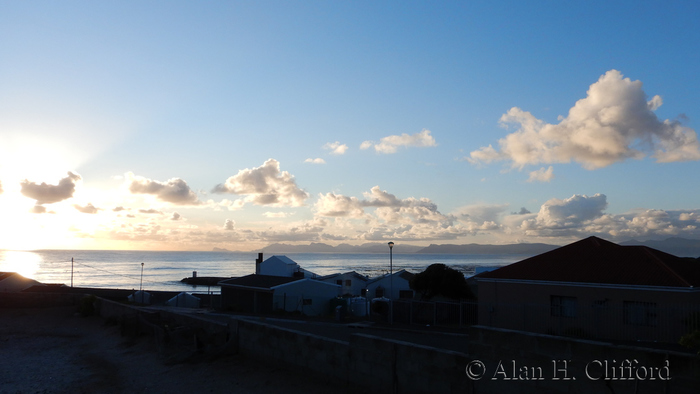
x=164, y=270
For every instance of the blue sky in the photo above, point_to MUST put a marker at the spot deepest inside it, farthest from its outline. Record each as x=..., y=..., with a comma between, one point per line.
x=182, y=125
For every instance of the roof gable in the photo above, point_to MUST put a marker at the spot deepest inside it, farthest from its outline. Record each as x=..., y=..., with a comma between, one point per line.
x=258, y=281
x=594, y=260
x=283, y=259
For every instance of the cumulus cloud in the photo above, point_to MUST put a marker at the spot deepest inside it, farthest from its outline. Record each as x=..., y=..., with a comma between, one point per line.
x=615, y=122
x=265, y=185
x=336, y=148
x=276, y=214
x=49, y=194
x=391, y=143
x=150, y=211
x=89, y=208
x=229, y=224
x=541, y=175
x=315, y=161
x=118, y=209
x=571, y=212
x=176, y=216
x=38, y=209
x=175, y=191
x=392, y=217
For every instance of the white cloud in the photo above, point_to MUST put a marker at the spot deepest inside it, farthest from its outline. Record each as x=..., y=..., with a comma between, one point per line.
x=150, y=211
x=49, y=194
x=541, y=175
x=613, y=123
x=89, y=208
x=276, y=214
x=265, y=185
x=336, y=148
x=175, y=191
x=1, y=187
x=391, y=143
x=176, y=216
x=229, y=224
x=315, y=161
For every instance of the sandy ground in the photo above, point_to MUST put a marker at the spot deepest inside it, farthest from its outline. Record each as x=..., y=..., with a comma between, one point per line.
x=57, y=351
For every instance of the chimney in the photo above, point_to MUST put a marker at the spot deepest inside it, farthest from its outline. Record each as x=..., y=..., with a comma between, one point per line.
x=258, y=261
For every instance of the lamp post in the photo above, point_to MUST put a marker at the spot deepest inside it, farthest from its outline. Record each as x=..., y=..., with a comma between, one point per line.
x=391, y=283
x=141, y=285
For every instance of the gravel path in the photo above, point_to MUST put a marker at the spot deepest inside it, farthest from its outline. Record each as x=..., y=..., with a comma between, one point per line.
x=53, y=350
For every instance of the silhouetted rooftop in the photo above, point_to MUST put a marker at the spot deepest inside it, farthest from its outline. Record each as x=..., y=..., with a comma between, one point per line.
x=594, y=260
x=258, y=281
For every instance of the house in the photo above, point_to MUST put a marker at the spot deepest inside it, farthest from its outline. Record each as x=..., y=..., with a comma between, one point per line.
x=184, y=300
x=397, y=285
x=11, y=282
x=266, y=293
x=351, y=283
x=281, y=266
x=595, y=289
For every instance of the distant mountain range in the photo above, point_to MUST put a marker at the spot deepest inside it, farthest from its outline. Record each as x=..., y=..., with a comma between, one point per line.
x=681, y=247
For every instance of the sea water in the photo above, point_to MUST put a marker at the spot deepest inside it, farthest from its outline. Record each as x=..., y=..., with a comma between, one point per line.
x=152, y=270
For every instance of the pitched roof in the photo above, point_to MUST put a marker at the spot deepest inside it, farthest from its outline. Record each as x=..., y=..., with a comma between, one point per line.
x=594, y=260
x=284, y=259
x=265, y=282
x=401, y=274
x=351, y=273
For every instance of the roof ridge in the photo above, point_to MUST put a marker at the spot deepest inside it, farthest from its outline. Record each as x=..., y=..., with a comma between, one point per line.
x=663, y=264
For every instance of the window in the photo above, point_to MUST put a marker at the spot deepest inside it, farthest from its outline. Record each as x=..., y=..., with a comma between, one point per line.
x=406, y=294
x=563, y=306
x=379, y=292
x=363, y=292
x=639, y=313
x=339, y=282
x=348, y=282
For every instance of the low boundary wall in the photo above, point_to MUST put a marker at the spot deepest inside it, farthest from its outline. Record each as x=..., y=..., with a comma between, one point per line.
x=510, y=361
x=519, y=362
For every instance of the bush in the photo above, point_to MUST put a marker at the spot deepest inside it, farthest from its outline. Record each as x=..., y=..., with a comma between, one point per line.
x=87, y=306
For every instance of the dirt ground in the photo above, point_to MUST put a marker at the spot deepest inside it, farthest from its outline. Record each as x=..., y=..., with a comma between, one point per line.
x=55, y=350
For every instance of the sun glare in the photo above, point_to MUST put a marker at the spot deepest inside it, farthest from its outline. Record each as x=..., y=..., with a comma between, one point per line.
x=22, y=262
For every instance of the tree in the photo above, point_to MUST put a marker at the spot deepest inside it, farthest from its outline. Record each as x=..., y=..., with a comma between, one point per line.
x=441, y=280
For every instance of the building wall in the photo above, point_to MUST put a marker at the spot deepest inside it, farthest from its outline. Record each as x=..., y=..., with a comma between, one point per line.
x=277, y=267
x=600, y=312
x=246, y=300
x=356, y=283
x=317, y=294
x=398, y=285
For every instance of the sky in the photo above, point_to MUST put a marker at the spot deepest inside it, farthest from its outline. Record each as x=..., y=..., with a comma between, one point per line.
x=179, y=125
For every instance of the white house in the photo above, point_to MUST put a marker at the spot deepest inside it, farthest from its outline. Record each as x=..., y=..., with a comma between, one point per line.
x=281, y=266
x=391, y=286
x=351, y=283
x=265, y=293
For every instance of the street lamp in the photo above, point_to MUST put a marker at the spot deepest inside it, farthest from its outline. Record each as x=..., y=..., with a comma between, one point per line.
x=391, y=283
x=141, y=285
x=391, y=269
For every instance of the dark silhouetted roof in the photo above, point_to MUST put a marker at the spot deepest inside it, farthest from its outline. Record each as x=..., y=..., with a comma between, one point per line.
x=259, y=281
x=594, y=260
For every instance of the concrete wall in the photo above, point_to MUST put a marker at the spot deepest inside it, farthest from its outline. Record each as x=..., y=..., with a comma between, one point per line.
x=39, y=300
x=561, y=358
x=378, y=364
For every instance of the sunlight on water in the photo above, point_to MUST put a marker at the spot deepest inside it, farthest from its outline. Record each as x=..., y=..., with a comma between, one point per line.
x=22, y=262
